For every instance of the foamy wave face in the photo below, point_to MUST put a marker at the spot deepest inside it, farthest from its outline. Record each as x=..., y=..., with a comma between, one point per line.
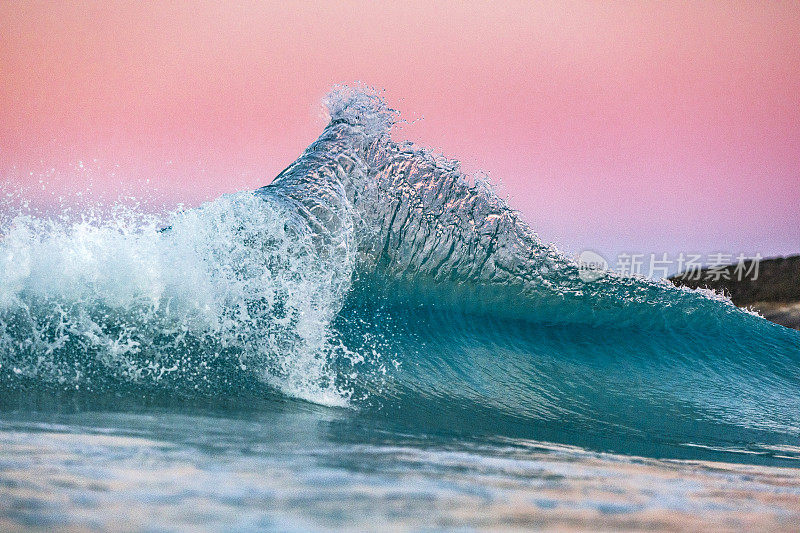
x=239, y=284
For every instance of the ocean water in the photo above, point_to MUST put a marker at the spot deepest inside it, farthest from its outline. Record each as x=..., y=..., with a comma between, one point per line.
x=374, y=341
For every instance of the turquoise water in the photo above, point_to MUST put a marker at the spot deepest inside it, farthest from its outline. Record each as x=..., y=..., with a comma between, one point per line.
x=82, y=462
x=374, y=340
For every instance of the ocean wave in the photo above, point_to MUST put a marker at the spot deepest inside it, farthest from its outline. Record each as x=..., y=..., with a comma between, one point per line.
x=377, y=275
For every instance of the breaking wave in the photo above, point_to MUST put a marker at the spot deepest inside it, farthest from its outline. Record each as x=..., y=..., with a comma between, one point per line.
x=377, y=275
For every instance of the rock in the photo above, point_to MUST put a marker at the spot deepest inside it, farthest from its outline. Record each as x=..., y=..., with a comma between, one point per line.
x=774, y=292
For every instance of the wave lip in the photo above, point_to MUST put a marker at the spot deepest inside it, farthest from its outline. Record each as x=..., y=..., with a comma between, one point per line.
x=435, y=236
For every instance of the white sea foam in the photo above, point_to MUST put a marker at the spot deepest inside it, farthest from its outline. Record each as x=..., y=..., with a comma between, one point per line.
x=240, y=273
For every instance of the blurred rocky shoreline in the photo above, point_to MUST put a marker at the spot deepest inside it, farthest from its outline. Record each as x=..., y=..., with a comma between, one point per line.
x=772, y=287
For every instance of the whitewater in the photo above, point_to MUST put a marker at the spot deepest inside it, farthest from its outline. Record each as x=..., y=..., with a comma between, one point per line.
x=374, y=339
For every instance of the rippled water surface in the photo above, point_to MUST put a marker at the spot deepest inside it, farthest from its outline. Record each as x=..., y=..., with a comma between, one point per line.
x=293, y=466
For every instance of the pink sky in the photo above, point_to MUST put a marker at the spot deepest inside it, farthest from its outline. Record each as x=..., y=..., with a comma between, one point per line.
x=643, y=127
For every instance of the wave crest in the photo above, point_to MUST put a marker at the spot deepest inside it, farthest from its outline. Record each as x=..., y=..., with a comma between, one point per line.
x=319, y=284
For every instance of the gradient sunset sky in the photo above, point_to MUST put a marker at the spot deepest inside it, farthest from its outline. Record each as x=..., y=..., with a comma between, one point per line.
x=640, y=127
